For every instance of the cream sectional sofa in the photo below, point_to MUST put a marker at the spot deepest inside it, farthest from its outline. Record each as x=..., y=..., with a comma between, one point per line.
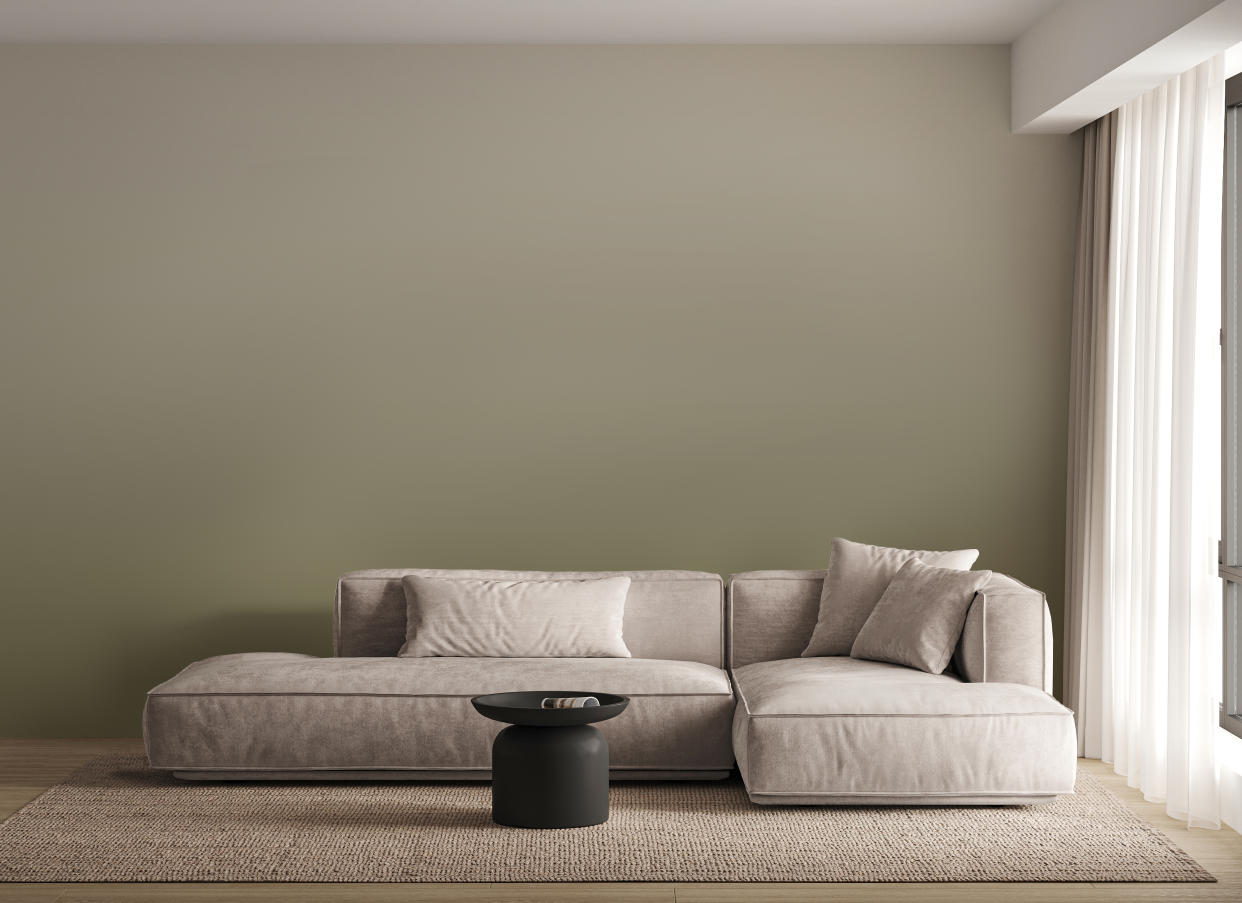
x=802, y=730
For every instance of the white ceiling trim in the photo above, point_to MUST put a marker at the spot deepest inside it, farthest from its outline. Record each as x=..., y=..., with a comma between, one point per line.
x=520, y=21
x=1088, y=58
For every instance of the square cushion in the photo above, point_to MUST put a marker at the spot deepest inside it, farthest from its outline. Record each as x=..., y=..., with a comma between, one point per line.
x=844, y=730
x=918, y=620
x=281, y=712
x=857, y=576
x=467, y=616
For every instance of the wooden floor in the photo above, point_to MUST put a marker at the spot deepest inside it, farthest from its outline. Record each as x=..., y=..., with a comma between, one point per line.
x=28, y=767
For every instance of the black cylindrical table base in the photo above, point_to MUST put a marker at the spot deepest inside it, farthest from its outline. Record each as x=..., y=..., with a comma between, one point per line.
x=550, y=777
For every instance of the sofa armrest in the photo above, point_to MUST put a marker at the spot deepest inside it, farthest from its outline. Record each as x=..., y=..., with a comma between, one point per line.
x=1007, y=637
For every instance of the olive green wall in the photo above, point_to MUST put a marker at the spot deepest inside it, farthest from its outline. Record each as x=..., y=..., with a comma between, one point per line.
x=273, y=313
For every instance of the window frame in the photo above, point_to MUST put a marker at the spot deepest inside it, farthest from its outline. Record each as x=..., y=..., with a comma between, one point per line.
x=1230, y=559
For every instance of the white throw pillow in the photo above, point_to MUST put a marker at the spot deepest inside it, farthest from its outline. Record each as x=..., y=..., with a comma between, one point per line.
x=858, y=575
x=476, y=618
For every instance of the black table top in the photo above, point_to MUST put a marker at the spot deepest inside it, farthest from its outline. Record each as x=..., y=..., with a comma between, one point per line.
x=524, y=708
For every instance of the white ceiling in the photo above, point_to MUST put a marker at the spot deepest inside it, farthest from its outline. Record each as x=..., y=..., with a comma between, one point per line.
x=521, y=21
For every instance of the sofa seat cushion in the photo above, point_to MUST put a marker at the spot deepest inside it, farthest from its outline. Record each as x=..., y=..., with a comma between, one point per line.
x=841, y=730
x=287, y=712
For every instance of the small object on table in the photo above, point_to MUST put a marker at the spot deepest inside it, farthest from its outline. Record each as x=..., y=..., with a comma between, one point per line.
x=568, y=702
x=550, y=766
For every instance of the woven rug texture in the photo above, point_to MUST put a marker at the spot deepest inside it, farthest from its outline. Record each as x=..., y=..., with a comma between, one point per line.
x=116, y=820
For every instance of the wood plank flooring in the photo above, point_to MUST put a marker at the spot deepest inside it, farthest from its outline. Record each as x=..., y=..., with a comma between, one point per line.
x=28, y=767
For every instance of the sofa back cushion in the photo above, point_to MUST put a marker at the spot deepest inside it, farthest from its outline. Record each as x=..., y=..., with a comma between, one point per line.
x=772, y=614
x=1007, y=637
x=673, y=615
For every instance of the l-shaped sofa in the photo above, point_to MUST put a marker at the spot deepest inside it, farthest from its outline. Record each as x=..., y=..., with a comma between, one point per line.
x=716, y=678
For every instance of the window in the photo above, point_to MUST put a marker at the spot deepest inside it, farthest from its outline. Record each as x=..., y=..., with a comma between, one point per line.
x=1231, y=396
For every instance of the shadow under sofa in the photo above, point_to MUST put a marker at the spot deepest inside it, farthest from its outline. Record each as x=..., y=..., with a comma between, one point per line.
x=716, y=678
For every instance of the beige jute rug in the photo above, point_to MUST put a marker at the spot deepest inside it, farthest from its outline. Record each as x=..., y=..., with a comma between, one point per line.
x=116, y=820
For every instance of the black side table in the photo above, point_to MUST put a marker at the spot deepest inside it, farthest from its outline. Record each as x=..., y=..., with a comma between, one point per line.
x=549, y=767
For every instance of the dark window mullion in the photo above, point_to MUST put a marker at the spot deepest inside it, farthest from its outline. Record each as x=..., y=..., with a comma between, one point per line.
x=1231, y=421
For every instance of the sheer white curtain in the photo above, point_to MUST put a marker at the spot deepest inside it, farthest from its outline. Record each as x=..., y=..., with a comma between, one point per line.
x=1143, y=600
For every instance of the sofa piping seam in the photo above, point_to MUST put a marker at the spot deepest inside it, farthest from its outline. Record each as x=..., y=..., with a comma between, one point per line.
x=741, y=698
x=704, y=578
x=154, y=695
x=907, y=793
x=415, y=768
x=736, y=578
x=908, y=714
x=983, y=638
x=1047, y=677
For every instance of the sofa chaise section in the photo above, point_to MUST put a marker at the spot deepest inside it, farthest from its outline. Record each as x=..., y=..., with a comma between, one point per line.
x=842, y=730
x=368, y=713
x=838, y=730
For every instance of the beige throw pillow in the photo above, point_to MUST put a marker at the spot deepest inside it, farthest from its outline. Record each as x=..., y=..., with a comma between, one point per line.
x=477, y=618
x=918, y=620
x=857, y=576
